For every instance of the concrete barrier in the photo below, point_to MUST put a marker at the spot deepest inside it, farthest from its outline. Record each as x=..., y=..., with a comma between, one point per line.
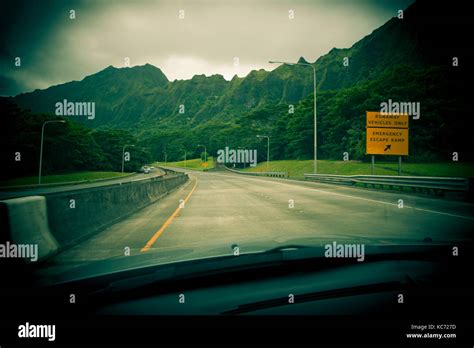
x=24, y=221
x=62, y=219
x=76, y=215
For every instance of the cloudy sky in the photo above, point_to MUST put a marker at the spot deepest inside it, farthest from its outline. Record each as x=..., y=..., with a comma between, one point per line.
x=182, y=38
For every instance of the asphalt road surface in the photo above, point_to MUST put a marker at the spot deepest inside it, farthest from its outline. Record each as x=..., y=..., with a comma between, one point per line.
x=223, y=209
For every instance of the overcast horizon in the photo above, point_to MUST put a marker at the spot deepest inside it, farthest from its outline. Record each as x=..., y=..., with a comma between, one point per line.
x=181, y=38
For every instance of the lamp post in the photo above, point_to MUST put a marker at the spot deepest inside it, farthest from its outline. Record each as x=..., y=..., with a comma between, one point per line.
x=268, y=147
x=315, y=169
x=41, y=147
x=123, y=155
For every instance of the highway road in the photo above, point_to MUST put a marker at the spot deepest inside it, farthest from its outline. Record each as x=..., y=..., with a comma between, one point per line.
x=223, y=209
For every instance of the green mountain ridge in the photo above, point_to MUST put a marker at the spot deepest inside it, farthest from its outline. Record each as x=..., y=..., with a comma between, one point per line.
x=407, y=59
x=119, y=92
x=113, y=88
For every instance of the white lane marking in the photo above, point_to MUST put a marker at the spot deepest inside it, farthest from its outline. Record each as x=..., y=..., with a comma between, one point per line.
x=349, y=196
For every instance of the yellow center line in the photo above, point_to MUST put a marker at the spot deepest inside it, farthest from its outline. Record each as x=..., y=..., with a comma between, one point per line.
x=167, y=222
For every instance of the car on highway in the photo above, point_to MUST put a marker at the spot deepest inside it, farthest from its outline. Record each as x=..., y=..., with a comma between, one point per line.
x=145, y=169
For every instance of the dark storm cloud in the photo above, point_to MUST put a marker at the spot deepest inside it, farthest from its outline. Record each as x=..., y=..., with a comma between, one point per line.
x=26, y=27
x=55, y=49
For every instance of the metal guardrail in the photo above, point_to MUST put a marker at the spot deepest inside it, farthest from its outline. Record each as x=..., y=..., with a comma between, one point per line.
x=269, y=174
x=416, y=182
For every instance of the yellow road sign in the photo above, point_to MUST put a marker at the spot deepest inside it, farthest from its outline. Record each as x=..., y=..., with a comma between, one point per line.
x=378, y=119
x=387, y=141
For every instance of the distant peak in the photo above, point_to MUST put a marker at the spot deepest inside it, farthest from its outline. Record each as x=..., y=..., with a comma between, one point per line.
x=258, y=72
x=218, y=76
x=210, y=77
x=138, y=71
x=151, y=70
x=146, y=66
x=302, y=60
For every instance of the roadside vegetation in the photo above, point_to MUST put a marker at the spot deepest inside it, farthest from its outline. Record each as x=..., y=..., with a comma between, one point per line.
x=297, y=169
x=61, y=178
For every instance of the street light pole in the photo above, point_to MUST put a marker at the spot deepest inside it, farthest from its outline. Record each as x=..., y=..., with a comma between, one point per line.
x=123, y=155
x=184, y=159
x=268, y=147
x=41, y=147
x=315, y=168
